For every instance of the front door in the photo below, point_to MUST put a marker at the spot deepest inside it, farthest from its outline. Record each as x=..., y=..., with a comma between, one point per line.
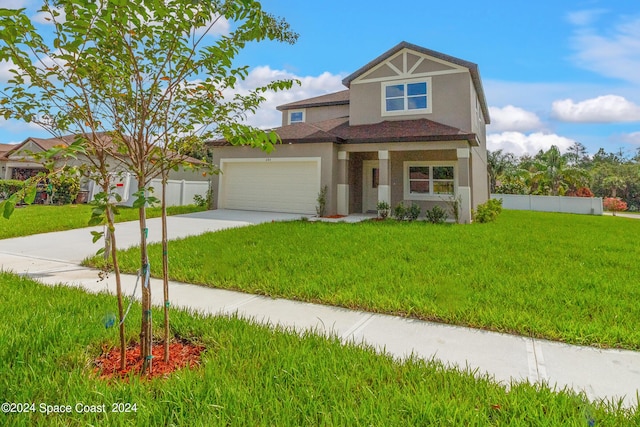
x=370, y=181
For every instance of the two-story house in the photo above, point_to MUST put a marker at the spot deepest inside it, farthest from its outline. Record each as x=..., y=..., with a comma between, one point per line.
x=409, y=128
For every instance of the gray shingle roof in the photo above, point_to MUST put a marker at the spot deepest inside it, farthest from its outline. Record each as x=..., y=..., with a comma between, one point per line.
x=336, y=98
x=340, y=132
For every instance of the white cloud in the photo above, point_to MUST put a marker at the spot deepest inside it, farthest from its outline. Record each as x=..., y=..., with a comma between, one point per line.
x=267, y=116
x=519, y=143
x=512, y=118
x=616, y=54
x=585, y=17
x=537, y=96
x=46, y=18
x=15, y=4
x=14, y=131
x=631, y=138
x=603, y=109
x=220, y=27
x=5, y=74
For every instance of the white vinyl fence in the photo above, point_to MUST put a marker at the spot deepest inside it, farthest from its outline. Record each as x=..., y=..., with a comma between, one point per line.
x=179, y=192
x=577, y=205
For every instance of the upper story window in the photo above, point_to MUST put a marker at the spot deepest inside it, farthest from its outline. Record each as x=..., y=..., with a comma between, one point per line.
x=296, y=116
x=407, y=97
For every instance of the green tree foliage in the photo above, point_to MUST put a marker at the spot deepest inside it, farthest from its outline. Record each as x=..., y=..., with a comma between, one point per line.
x=499, y=164
x=146, y=74
x=573, y=173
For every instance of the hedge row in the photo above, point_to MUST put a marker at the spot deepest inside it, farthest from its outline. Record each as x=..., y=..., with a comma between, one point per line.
x=9, y=186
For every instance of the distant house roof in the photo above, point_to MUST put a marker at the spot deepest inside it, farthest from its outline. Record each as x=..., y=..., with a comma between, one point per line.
x=44, y=143
x=64, y=141
x=336, y=98
x=5, y=148
x=340, y=132
x=473, y=69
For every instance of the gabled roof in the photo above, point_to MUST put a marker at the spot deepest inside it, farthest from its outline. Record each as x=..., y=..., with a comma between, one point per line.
x=336, y=98
x=340, y=132
x=473, y=69
x=44, y=143
x=103, y=137
x=5, y=148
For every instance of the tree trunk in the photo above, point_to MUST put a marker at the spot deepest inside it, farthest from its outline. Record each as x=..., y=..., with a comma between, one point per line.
x=165, y=268
x=116, y=269
x=146, y=324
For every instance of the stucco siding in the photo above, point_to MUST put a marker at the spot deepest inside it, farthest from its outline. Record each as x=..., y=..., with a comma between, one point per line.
x=451, y=98
x=325, y=151
x=319, y=114
x=480, y=179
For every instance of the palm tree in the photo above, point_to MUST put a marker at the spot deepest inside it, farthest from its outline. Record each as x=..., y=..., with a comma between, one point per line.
x=497, y=164
x=553, y=172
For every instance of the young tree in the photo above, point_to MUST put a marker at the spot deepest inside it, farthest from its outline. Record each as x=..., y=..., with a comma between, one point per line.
x=145, y=72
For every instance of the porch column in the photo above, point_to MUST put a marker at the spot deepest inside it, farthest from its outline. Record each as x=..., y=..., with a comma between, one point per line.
x=343, y=183
x=464, y=185
x=384, y=189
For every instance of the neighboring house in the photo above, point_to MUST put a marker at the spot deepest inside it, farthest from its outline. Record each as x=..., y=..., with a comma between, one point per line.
x=410, y=128
x=4, y=149
x=19, y=163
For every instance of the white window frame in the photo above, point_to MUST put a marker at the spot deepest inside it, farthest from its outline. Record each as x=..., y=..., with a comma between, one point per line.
x=430, y=196
x=291, y=112
x=405, y=111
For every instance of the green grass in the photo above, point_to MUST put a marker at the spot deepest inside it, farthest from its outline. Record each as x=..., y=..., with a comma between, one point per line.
x=35, y=219
x=250, y=376
x=571, y=278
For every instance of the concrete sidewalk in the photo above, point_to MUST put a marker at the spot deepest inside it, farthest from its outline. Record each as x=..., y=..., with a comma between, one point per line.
x=601, y=374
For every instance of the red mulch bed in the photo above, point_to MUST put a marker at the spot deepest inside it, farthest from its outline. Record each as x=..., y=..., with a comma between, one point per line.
x=334, y=216
x=181, y=354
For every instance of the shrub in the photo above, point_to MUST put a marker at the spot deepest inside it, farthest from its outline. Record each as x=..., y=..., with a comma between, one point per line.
x=584, y=192
x=383, y=209
x=454, y=206
x=65, y=189
x=402, y=212
x=204, y=202
x=321, y=207
x=412, y=213
x=399, y=212
x=437, y=215
x=9, y=187
x=488, y=211
x=614, y=204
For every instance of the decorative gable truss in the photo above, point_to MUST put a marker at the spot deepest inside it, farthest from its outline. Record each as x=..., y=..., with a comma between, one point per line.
x=406, y=79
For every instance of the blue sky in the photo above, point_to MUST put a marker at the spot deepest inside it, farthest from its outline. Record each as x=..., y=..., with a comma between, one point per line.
x=553, y=72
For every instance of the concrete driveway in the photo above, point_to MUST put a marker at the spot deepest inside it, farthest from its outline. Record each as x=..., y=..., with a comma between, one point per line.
x=75, y=245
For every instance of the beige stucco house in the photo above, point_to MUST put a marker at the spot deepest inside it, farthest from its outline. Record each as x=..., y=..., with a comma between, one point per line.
x=410, y=127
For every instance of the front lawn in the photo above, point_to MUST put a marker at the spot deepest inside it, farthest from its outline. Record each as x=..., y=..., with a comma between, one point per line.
x=570, y=278
x=35, y=219
x=250, y=375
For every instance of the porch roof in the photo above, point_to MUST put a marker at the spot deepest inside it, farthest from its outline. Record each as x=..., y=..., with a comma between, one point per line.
x=339, y=131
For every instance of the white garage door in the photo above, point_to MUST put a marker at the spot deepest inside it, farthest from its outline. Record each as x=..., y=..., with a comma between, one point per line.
x=274, y=185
